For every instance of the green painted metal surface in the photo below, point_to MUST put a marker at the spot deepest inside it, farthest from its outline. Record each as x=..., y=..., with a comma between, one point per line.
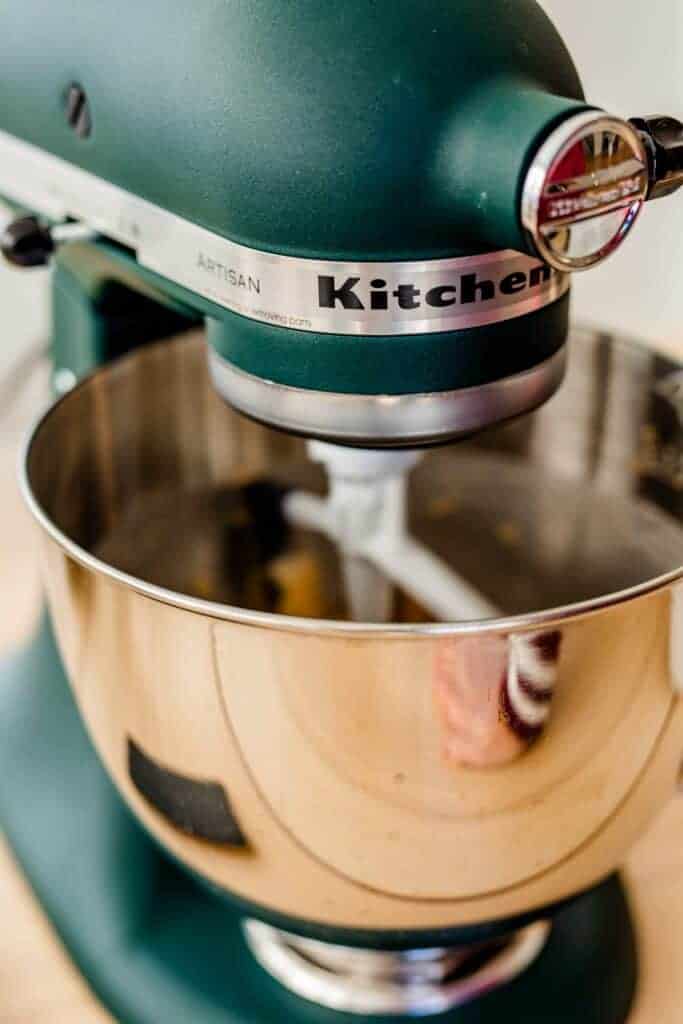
x=103, y=307
x=392, y=130
x=355, y=129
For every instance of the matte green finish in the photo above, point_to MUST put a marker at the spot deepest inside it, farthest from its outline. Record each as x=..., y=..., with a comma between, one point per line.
x=156, y=947
x=495, y=141
x=327, y=129
x=97, y=319
x=395, y=130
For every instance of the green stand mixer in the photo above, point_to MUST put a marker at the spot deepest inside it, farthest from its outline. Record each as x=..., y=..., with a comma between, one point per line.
x=364, y=653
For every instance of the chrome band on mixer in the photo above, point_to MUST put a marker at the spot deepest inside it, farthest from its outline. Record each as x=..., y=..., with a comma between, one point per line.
x=408, y=419
x=324, y=296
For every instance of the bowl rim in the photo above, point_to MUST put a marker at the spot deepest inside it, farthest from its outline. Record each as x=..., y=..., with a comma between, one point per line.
x=507, y=624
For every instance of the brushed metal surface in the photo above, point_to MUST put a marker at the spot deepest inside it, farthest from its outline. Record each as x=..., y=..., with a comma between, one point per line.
x=387, y=421
x=414, y=774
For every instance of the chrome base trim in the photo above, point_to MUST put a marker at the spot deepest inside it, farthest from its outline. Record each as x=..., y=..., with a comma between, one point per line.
x=387, y=420
x=416, y=982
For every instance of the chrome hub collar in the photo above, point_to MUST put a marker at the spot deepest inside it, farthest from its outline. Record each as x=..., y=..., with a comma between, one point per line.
x=387, y=420
x=415, y=982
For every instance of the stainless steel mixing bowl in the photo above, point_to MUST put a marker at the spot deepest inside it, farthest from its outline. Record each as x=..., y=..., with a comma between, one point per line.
x=404, y=776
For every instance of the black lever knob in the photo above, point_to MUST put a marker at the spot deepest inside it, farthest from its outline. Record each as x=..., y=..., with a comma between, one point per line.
x=26, y=242
x=663, y=138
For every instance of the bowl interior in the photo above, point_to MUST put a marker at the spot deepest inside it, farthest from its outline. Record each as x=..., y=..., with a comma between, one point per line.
x=146, y=468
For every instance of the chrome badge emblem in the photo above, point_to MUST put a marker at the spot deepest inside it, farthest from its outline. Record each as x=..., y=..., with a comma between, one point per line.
x=584, y=190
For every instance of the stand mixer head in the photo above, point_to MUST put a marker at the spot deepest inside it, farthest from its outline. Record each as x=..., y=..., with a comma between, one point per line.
x=375, y=210
x=381, y=263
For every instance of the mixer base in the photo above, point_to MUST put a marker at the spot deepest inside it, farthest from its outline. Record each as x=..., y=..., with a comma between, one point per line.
x=154, y=946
